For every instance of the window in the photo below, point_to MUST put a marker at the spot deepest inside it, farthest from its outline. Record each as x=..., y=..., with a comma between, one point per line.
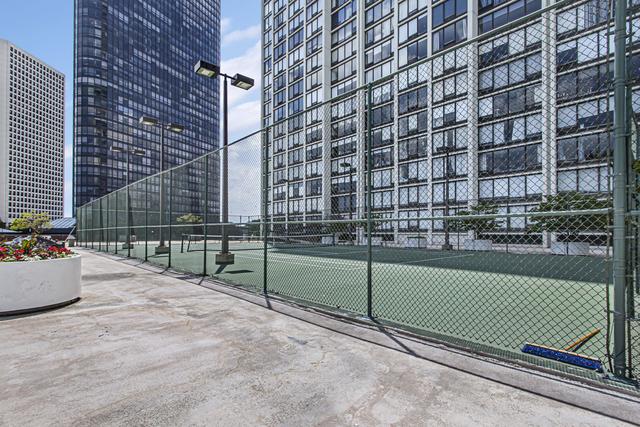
x=589, y=180
x=453, y=192
x=451, y=139
x=510, y=160
x=409, y=173
x=510, y=102
x=585, y=115
x=412, y=29
x=584, y=148
x=449, y=35
x=511, y=188
x=413, y=196
x=451, y=87
x=585, y=82
x=407, y=8
x=413, y=100
x=582, y=17
x=447, y=10
x=412, y=124
x=449, y=114
x=511, y=131
x=412, y=148
x=412, y=52
x=507, y=14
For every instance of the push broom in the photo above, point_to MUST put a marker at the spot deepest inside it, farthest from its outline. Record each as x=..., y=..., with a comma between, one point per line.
x=567, y=354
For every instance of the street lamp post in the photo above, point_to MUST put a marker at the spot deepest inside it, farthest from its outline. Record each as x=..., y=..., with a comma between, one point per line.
x=128, y=152
x=171, y=127
x=209, y=70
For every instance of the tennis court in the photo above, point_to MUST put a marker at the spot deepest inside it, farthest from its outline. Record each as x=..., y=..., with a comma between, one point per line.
x=490, y=298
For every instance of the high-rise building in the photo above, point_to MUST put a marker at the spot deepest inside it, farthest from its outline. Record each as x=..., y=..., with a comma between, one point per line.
x=135, y=58
x=31, y=135
x=476, y=107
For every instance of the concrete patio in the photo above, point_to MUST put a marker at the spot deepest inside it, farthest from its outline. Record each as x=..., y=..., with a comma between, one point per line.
x=142, y=348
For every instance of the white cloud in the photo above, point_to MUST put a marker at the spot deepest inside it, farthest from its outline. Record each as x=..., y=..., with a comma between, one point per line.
x=250, y=33
x=225, y=25
x=249, y=64
x=244, y=119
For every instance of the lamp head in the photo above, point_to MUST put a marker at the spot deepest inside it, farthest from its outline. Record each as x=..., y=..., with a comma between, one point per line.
x=148, y=121
x=243, y=82
x=206, y=69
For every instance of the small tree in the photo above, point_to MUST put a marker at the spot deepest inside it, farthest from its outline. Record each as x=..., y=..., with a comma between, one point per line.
x=189, y=218
x=31, y=222
x=477, y=225
x=569, y=225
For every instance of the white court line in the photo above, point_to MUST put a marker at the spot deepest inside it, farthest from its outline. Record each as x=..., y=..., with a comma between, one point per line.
x=290, y=261
x=324, y=263
x=427, y=259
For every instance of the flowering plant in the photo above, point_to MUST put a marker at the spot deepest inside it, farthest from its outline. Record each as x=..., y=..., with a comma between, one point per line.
x=31, y=249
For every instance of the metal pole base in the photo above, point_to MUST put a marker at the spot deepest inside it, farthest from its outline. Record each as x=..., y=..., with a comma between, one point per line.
x=162, y=250
x=447, y=247
x=225, y=258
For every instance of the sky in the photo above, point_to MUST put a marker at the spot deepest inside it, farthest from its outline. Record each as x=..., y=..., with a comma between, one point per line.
x=44, y=28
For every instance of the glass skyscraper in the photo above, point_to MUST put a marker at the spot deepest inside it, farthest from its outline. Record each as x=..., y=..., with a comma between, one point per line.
x=134, y=58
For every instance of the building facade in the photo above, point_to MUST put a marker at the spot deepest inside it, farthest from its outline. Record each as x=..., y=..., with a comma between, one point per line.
x=31, y=135
x=479, y=105
x=135, y=58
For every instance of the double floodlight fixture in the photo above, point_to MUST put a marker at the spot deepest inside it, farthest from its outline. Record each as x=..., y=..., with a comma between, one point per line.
x=210, y=70
x=151, y=121
x=134, y=151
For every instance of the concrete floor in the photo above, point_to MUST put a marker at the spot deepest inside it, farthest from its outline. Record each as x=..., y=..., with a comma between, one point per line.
x=147, y=349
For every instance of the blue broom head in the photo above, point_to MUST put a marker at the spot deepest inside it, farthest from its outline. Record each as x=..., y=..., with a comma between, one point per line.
x=563, y=356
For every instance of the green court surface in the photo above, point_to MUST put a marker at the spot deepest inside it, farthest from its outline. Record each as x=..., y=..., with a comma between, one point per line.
x=491, y=298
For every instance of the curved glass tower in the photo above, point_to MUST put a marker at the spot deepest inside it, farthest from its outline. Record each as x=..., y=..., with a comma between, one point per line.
x=134, y=58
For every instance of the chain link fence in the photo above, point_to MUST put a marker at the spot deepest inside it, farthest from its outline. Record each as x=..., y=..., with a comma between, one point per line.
x=467, y=197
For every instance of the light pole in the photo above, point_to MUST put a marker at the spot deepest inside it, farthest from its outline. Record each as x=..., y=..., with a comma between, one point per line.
x=211, y=71
x=171, y=127
x=128, y=152
x=345, y=165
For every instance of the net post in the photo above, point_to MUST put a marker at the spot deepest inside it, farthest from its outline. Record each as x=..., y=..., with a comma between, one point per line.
x=619, y=192
x=369, y=200
x=205, y=217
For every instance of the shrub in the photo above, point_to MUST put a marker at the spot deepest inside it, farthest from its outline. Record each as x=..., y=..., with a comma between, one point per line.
x=31, y=249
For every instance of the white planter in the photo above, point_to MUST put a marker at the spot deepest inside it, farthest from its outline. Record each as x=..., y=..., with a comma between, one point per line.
x=570, y=248
x=32, y=285
x=478, y=245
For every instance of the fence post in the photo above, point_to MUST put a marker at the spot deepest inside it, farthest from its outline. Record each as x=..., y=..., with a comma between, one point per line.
x=205, y=216
x=116, y=226
x=369, y=205
x=103, y=228
x=146, y=219
x=170, y=213
x=265, y=209
x=129, y=218
x=619, y=192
